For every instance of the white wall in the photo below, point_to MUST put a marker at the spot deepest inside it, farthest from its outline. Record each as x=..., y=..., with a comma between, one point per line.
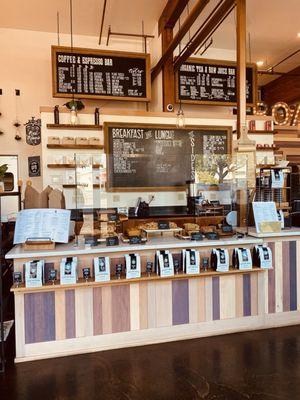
x=25, y=64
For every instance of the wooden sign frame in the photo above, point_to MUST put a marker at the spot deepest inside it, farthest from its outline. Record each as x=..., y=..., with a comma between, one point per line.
x=108, y=125
x=79, y=50
x=206, y=61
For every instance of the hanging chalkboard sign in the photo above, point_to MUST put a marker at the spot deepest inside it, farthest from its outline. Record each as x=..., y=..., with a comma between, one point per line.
x=158, y=157
x=100, y=74
x=212, y=82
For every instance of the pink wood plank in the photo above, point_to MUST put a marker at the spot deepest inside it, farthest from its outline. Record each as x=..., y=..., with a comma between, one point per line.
x=97, y=311
x=143, y=305
x=120, y=307
x=286, y=276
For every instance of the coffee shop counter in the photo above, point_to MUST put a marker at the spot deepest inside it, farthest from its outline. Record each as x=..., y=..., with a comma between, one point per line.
x=59, y=320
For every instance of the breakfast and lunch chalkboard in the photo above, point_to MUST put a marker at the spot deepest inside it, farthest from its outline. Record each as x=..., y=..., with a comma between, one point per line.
x=211, y=82
x=158, y=157
x=100, y=74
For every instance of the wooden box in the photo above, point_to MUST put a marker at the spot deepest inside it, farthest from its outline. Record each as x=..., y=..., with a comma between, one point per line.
x=68, y=140
x=81, y=140
x=53, y=140
x=94, y=141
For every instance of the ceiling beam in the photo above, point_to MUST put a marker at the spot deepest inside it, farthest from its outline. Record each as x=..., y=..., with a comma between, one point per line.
x=171, y=13
x=286, y=88
x=206, y=30
x=191, y=18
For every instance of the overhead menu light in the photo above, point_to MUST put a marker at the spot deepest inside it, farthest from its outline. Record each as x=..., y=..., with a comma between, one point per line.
x=259, y=63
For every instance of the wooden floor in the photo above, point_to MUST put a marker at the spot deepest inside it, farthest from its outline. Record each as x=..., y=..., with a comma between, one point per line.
x=261, y=365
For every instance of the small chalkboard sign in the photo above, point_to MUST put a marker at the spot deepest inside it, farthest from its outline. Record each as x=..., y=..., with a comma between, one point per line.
x=100, y=74
x=112, y=241
x=163, y=225
x=213, y=82
x=196, y=236
x=135, y=240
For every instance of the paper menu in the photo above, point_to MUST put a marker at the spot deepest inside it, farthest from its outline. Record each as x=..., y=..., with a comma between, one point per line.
x=264, y=212
x=42, y=223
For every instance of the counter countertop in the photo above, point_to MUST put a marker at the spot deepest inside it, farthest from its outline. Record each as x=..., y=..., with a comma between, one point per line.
x=284, y=233
x=154, y=243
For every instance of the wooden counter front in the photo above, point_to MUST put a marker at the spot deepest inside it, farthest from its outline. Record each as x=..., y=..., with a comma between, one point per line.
x=58, y=320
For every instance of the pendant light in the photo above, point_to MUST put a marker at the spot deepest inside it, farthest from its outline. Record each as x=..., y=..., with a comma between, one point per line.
x=180, y=119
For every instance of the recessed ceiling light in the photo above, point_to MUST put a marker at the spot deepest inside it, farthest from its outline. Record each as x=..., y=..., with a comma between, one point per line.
x=298, y=34
x=259, y=63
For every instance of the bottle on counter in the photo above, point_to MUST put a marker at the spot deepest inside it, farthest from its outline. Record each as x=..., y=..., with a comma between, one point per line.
x=97, y=116
x=56, y=115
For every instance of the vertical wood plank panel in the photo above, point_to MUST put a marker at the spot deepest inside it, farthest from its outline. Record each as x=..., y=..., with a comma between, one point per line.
x=120, y=306
x=201, y=300
x=254, y=294
x=262, y=293
x=286, y=276
x=163, y=303
x=144, y=305
x=193, y=301
x=180, y=302
x=97, y=311
x=278, y=277
x=39, y=317
x=216, y=297
x=208, y=299
x=134, y=306
x=19, y=324
x=106, y=309
x=80, y=308
x=293, y=275
x=70, y=314
x=271, y=282
x=60, y=315
x=239, y=306
x=151, y=305
x=246, y=295
x=227, y=297
x=298, y=273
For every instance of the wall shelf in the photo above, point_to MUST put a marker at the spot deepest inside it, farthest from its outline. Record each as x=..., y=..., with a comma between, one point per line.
x=260, y=132
x=71, y=166
x=74, y=186
x=75, y=127
x=267, y=148
x=75, y=146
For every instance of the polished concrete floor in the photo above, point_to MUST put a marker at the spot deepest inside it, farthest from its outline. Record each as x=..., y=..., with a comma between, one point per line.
x=261, y=365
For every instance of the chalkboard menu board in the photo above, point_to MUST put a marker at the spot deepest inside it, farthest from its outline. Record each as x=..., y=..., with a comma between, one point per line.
x=213, y=82
x=100, y=74
x=158, y=157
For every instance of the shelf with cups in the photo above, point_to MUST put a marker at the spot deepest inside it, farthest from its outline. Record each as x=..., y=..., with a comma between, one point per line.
x=78, y=185
x=77, y=127
x=72, y=166
x=267, y=148
x=76, y=146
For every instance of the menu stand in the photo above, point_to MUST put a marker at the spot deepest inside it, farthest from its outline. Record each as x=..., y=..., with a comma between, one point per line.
x=39, y=244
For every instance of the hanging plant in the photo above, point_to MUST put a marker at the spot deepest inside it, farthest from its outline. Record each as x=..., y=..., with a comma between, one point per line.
x=77, y=104
x=3, y=169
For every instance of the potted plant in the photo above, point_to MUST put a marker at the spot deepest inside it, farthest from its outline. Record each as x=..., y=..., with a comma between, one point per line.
x=3, y=169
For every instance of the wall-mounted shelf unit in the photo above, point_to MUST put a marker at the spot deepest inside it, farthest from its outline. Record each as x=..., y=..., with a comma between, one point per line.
x=75, y=127
x=70, y=166
x=75, y=146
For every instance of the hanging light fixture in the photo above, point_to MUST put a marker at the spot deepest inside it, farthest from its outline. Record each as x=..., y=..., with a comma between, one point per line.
x=180, y=119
